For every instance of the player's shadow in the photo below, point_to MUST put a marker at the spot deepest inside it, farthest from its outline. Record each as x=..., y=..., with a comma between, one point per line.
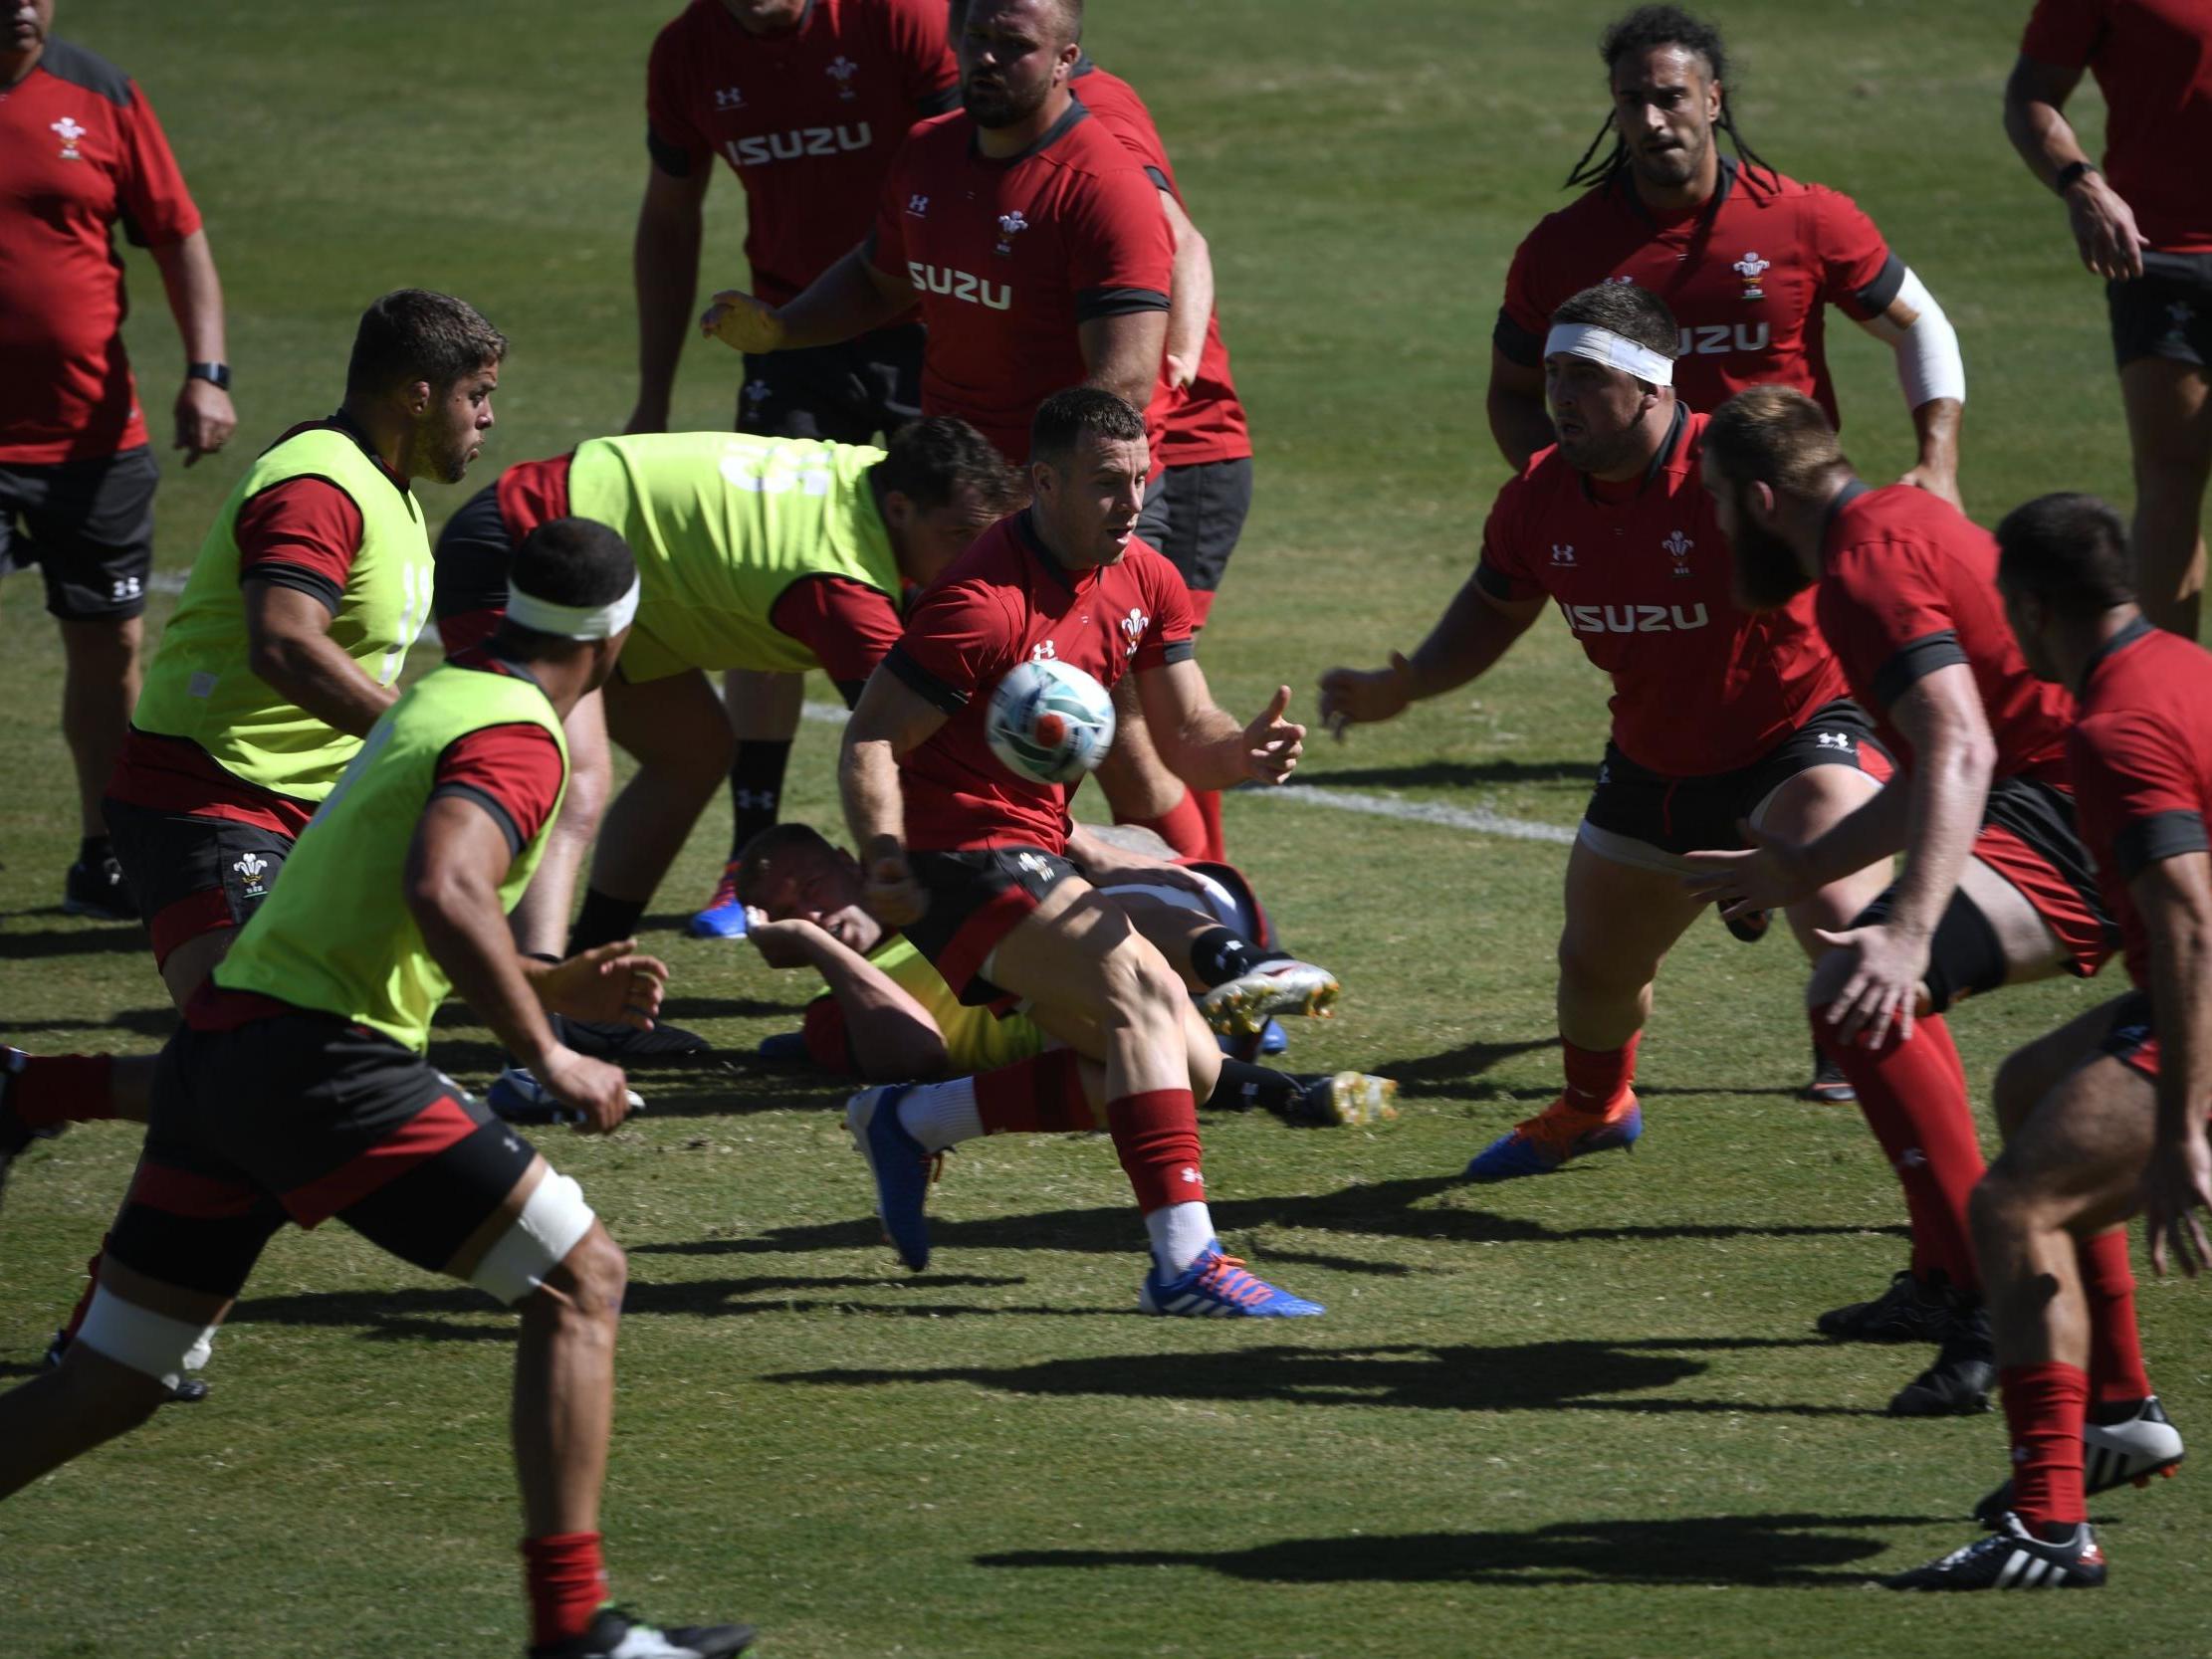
x=158, y=1022
x=1795, y=1550
x=1454, y=1073
x=19, y=944
x=1570, y=1376
x=1449, y=774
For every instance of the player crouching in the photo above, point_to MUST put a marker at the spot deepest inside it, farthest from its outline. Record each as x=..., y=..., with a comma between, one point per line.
x=971, y=860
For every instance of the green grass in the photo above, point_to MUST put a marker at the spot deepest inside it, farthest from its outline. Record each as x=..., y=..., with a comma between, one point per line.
x=1563, y=1418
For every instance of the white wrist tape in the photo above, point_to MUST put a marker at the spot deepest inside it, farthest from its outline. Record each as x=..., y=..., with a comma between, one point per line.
x=573, y=621
x=1929, y=363
x=554, y=1220
x=1603, y=345
x=152, y=1343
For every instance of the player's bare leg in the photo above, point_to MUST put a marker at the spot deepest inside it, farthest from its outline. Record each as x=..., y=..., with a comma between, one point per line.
x=764, y=711
x=2169, y=435
x=677, y=732
x=540, y=918
x=1240, y=984
x=101, y=674
x=1140, y=788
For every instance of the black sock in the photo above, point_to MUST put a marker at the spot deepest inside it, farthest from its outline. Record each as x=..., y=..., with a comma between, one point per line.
x=756, y=786
x=94, y=851
x=1243, y=1086
x=604, y=920
x=1219, y=955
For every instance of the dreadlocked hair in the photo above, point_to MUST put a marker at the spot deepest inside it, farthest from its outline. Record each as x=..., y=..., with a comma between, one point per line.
x=1642, y=30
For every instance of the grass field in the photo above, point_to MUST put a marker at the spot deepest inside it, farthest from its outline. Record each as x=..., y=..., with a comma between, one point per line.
x=1573, y=1417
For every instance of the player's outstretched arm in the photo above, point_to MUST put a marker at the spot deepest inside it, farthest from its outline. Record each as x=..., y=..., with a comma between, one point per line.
x=2174, y=897
x=891, y=720
x=1475, y=630
x=664, y=268
x=2035, y=121
x=890, y=1035
x=1203, y=743
x=848, y=298
x=290, y=649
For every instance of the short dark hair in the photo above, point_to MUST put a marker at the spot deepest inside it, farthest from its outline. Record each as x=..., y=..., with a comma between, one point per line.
x=2068, y=550
x=931, y=460
x=567, y=562
x=1063, y=420
x=413, y=335
x=1776, y=436
x=1632, y=312
x=756, y=862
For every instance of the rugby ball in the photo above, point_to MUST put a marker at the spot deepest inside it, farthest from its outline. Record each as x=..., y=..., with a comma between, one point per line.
x=1049, y=721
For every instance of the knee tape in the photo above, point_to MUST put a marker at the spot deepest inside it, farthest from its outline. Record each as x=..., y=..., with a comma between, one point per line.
x=554, y=1220
x=154, y=1344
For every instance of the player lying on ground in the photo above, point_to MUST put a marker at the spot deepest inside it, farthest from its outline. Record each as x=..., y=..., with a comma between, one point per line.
x=297, y=1088
x=1719, y=715
x=1996, y=887
x=2106, y=1113
x=970, y=860
x=887, y=1015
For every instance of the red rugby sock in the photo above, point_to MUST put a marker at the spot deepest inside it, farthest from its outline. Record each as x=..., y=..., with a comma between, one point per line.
x=1209, y=814
x=1913, y=1095
x=2044, y=1407
x=1156, y=1135
x=2117, y=1374
x=1596, y=1077
x=1182, y=826
x=1042, y=1095
x=54, y=1089
x=567, y=1581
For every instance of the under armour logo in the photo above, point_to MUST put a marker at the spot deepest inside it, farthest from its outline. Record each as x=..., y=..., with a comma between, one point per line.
x=729, y=98
x=919, y=206
x=1188, y=1175
x=1038, y=865
x=1562, y=554
x=1833, y=740
x=755, y=800
x=1913, y=1159
x=1042, y=651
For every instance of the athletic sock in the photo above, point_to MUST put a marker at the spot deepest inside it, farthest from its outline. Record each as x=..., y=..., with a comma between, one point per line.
x=1912, y=1093
x=1243, y=1086
x=76, y=1319
x=1221, y=954
x=2116, y=1375
x=941, y=1114
x=1156, y=1135
x=2044, y=1406
x=1042, y=1095
x=567, y=1581
x=1182, y=827
x=1209, y=814
x=1596, y=1077
x=93, y=850
x=1180, y=1234
x=755, y=787
x=46, y=1090
x=604, y=921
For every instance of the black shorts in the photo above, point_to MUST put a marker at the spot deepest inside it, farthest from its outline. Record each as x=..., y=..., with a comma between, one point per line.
x=89, y=528
x=2164, y=312
x=468, y=587
x=1678, y=816
x=301, y=1117
x=1195, y=515
x=845, y=394
x=193, y=874
x=975, y=899
x=2132, y=1037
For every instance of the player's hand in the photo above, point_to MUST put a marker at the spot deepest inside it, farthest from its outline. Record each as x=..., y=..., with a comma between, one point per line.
x=608, y=984
x=2176, y=1184
x=1883, y=986
x=1770, y=874
x=1105, y=864
x=742, y=322
x=780, y=943
x=591, y=1087
x=204, y=419
x=889, y=890
x=2105, y=229
x=1181, y=372
x=1352, y=696
x=1941, y=482
x=1273, y=743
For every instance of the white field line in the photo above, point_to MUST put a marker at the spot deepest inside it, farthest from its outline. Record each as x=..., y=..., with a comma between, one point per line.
x=1480, y=820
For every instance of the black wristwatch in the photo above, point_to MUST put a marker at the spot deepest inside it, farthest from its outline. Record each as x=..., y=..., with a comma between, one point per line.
x=215, y=374
x=2067, y=176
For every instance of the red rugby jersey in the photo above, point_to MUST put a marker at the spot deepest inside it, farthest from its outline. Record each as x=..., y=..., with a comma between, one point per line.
x=1641, y=574
x=808, y=119
x=1005, y=601
x=1009, y=256
x=80, y=152
x=1747, y=276
x=2153, y=60
x=2142, y=752
x=1909, y=586
x=1206, y=420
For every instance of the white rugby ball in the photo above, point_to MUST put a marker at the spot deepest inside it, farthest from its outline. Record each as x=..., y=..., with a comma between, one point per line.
x=1049, y=721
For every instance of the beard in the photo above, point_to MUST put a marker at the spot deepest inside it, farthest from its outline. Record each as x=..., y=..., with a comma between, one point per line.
x=1768, y=575
x=1001, y=106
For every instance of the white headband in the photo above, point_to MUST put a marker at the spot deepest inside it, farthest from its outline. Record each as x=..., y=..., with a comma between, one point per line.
x=572, y=621
x=1603, y=345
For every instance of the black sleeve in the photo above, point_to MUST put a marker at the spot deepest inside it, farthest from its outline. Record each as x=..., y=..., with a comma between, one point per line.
x=313, y=583
x=851, y=691
x=1515, y=344
x=1494, y=581
x=1160, y=178
x=672, y=159
x=950, y=699
x=499, y=815
x=1178, y=651
x=1874, y=298
x=2162, y=835
x=1094, y=303
x=940, y=102
x=1915, y=662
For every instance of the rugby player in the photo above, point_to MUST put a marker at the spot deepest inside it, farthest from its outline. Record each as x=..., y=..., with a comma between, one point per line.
x=1996, y=887
x=1747, y=259
x=2107, y=1110
x=806, y=101
x=297, y=1088
x=1719, y=715
x=970, y=861
x=2145, y=224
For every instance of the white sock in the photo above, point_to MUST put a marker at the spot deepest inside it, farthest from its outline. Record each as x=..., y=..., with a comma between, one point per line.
x=1180, y=1235
x=941, y=1114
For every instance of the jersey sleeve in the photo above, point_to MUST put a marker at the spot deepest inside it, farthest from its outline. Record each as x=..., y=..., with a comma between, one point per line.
x=1167, y=637
x=513, y=772
x=928, y=74
x=303, y=533
x=1523, y=317
x=1859, y=274
x=1886, y=619
x=957, y=639
x=1505, y=570
x=849, y=626
x=158, y=210
x=1121, y=253
x=2137, y=792
x=2064, y=32
x=672, y=136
